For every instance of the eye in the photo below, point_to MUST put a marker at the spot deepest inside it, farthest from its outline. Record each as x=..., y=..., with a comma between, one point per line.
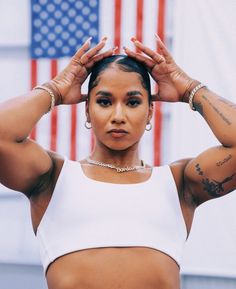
x=134, y=102
x=104, y=102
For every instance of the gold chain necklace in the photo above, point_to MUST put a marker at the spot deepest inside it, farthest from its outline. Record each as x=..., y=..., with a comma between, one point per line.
x=118, y=169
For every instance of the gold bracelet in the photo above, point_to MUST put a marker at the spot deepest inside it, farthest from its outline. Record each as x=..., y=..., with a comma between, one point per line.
x=50, y=93
x=193, y=92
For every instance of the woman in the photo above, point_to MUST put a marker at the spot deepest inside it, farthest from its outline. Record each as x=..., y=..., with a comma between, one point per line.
x=111, y=221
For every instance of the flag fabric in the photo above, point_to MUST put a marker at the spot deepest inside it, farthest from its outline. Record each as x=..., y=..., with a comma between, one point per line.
x=58, y=29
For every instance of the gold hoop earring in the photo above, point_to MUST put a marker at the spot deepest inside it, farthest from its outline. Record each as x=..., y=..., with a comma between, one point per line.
x=88, y=125
x=148, y=126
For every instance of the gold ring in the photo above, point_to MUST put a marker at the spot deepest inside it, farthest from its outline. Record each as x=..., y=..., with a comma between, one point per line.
x=79, y=62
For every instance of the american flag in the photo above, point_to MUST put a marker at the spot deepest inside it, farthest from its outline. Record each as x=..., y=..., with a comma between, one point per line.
x=58, y=28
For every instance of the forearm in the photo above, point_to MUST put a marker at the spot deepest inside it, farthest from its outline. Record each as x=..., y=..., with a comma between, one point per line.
x=219, y=113
x=19, y=115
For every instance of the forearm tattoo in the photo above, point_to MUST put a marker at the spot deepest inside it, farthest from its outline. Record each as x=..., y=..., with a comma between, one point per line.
x=214, y=188
x=221, y=115
x=229, y=103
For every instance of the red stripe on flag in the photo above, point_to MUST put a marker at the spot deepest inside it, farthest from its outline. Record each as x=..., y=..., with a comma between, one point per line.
x=33, y=75
x=161, y=19
x=157, y=111
x=54, y=113
x=73, y=143
x=117, y=24
x=139, y=20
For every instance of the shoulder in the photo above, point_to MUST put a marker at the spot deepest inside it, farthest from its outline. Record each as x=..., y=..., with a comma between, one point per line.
x=56, y=158
x=57, y=161
x=48, y=181
x=178, y=169
x=187, y=199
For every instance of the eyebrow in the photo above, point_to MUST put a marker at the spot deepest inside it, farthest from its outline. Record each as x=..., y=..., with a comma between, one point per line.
x=129, y=93
x=134, y=93
x=103, y=93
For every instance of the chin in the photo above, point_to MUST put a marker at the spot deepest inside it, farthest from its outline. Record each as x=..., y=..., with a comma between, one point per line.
x=120, y=146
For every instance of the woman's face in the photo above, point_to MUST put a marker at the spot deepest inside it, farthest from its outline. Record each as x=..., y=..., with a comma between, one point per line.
x=118, y=109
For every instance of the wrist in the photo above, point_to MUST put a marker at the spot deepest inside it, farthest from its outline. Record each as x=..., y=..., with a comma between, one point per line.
x=192, y=95
x=191, y=85
x=52, y=86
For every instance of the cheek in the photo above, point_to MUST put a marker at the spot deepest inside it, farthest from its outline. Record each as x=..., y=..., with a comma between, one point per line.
x=98, y=116
x=139, y=115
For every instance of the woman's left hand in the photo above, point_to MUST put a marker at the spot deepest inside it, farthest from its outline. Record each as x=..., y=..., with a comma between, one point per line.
x=173, y=83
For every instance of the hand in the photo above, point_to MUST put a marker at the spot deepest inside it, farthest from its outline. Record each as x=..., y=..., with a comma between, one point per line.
x=68, y=82
x=173, y=83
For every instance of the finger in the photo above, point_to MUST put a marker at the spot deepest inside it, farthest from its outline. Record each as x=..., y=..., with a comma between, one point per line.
x=93, y=51
x=158, y=58
x=142, y=58
x=162, y=47
x=99, y=57
x=82, y=49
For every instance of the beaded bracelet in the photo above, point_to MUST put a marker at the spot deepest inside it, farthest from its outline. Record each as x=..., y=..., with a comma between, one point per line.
x=50, y=93
x=193, y=92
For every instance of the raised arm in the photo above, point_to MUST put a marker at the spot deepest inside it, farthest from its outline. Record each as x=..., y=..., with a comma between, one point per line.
x=213, y=173
x=23, y=163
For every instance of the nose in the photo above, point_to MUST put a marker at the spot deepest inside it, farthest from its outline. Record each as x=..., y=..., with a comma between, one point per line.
x=118, y=115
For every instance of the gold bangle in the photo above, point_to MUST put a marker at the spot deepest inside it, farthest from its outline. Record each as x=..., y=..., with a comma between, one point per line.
x=50, y=93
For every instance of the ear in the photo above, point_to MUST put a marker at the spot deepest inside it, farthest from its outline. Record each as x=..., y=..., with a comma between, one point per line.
x=150, y=112
x=87, y=110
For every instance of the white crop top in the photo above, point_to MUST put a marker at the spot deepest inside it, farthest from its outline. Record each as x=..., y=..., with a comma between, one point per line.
x=84, y=213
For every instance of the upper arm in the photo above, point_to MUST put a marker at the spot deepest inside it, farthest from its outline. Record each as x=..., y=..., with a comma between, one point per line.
x=212, y=174
x=22, y=164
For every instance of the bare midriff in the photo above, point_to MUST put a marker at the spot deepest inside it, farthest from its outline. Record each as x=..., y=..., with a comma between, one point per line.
x=114, y=268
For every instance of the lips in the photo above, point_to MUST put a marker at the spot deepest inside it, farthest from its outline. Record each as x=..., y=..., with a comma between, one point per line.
x=117, y=133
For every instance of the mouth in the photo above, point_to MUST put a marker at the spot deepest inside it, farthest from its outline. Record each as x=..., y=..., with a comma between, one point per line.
x=116, y=133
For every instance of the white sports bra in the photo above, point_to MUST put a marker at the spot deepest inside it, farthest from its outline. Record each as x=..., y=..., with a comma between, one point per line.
x=84, y=213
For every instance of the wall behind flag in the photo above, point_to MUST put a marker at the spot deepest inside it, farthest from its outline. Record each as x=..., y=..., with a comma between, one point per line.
x=204, y=46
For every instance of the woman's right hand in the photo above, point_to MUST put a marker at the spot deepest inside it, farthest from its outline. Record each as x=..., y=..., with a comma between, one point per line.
x=68, y=82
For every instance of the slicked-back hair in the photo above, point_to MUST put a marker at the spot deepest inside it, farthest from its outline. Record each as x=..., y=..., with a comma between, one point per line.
x=124, y=63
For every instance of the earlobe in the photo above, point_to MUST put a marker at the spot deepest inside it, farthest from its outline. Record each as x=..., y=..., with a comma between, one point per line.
x=150, y=113
x=87, y=111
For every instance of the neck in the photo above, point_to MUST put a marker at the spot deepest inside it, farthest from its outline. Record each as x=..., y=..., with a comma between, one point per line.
x=128, y=157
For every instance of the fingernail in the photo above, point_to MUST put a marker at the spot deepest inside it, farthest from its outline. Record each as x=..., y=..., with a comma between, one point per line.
x=89, y=39
x=114, y=49
x=104, y=38
x=133, y=39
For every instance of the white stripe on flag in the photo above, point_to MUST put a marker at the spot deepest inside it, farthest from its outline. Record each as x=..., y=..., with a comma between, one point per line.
x=106, y=24
x=128, y=23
